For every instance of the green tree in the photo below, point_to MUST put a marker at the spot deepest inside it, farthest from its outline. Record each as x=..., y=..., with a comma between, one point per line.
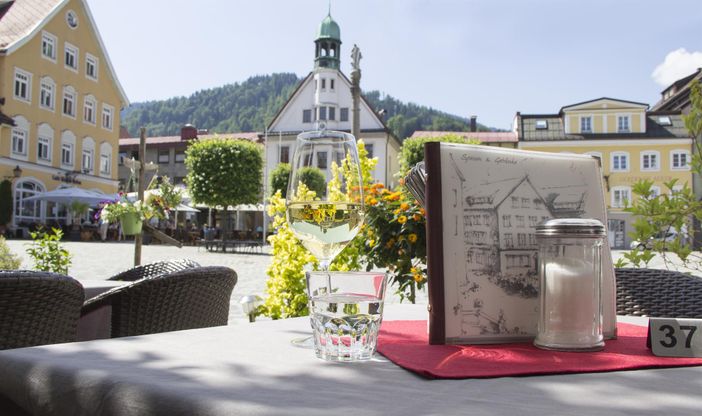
x=673, y=209
x=412, y=151
x=47, y=252
x=314, y=179
x=8, y=260
x=279, y=179
x=224, y=171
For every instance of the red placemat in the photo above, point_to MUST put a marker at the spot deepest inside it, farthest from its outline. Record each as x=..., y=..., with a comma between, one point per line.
x=406, y=344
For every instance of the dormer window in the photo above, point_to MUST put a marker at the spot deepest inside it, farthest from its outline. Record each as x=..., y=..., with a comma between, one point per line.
x=623, y=124
x=585, y=124
x=541, y=125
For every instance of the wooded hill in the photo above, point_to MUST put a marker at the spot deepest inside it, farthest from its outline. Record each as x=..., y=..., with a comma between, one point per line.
x=250, y=105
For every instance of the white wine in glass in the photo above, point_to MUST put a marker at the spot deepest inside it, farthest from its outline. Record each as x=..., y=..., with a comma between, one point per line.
x=325, y=195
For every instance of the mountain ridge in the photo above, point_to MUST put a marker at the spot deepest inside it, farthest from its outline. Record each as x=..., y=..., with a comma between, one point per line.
x=251, y=104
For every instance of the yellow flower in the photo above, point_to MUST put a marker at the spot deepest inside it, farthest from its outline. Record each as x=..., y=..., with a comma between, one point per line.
x=402, y=219
x=413, y=270
x=404, y=206
x=397, y=211
x=418, y=278
x=412, y=238
x=371, y=243
x=373, y=201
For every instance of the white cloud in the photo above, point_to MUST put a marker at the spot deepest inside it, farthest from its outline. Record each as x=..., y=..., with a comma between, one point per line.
x=677, y=64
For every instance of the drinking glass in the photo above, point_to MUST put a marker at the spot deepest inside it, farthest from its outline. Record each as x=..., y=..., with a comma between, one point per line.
x=325, y=195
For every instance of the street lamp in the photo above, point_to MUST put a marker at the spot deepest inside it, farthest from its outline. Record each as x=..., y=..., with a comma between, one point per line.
x=16, y=173
x=249, y=304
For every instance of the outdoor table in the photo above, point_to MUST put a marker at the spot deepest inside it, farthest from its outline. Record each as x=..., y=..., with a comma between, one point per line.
x=253, y=369
x=92, y=288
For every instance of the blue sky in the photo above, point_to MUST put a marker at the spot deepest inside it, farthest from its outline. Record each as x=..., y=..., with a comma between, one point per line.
x=485, y=57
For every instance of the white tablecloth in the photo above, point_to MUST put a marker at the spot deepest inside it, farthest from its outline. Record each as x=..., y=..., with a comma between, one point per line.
x=253, y=369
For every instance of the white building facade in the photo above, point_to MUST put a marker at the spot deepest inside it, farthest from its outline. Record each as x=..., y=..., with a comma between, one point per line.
x=324, y=96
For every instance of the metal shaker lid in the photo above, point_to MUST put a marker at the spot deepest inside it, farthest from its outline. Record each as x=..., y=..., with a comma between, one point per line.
x=571, y=227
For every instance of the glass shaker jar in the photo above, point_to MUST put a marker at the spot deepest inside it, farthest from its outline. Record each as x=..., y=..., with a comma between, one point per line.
x=570, y=271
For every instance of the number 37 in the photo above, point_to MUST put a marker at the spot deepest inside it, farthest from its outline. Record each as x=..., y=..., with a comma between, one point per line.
x=671, y=340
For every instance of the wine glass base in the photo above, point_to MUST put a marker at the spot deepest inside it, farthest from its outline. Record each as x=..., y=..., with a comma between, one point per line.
x=303, y=342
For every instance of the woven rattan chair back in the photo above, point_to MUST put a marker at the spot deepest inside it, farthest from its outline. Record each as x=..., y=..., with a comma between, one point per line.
x=197, y=297
x=658, y=293
x=154, y=269
x=38, y=308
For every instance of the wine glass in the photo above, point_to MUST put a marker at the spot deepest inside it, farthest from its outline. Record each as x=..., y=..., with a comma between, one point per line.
x=325, y=195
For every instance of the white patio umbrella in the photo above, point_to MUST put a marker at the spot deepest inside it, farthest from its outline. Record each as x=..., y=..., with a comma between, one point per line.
x=68, y=195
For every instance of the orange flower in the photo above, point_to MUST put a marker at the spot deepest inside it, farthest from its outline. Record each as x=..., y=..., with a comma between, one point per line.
x=418, y=278
x=412, y=238
x=404, y=206
x=402, y=181
x=422, y=211
x=378, y=186
x=373, y=201
x=402, y=219
x=417, y=217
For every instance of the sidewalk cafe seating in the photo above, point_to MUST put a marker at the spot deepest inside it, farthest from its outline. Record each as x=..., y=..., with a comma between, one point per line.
x=658, y=293
x=38, y=308
x=196, y=297
x=154, y=269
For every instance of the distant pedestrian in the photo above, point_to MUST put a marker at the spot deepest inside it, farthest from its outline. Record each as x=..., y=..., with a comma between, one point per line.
x=102, y=229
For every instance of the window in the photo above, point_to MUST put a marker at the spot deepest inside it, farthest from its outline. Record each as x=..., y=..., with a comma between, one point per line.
x=525, y=202
x=306, y=116
x=68, y=143
x=46, y=93
x=19, y=141
x=107, y=111
x=69, y=102
x=322, y=160
x=533, y=220
x=541, y=124
x=650, y=160
x=48, y=46
x=487, y=219
x=509, y=243
x=71, y=57
x=27, y=211
x=620, y=162
x=43, y=148
x=655, y=192
x=87, y=161
x=680, y=159
x=369, y=149
x=521, y=240
x=67, y=154
x=89, y=109
x=105, y=159
x=284, y=154
x=164, y=156
x=344, y=114
x=91, y=67
x=331, y=84
x=180, y=156
x=322, y=113
x=586, y=124
x=520, y=221
x=23, y=85
x=506, y=220
x=623, y=124
x=45, y=137
x=324, y=83
x=332, y=113
x=515, y=202
x=621, y=195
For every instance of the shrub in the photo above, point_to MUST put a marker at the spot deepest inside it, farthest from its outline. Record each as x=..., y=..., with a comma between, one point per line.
x=279, y=179
x=47, y=252
x=314, y=179
x=412, y=151
x=224, y=171
x=8, y=260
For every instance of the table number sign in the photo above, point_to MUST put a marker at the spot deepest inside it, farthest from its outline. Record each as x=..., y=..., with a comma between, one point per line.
x=483, y=206
x=675, y=337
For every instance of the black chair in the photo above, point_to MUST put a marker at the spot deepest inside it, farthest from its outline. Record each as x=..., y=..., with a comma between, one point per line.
x=154, y=269
x=658, y=293
x=38, y=308
x=197, y=297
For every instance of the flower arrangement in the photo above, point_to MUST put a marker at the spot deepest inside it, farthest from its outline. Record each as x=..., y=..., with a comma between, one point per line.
x=112, y=212
x=394, y=238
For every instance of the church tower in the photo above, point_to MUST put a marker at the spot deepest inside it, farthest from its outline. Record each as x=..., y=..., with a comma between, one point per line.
x=327, y=44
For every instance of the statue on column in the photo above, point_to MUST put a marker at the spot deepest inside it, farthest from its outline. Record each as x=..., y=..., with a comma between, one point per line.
x=356, y=89
x=356, y=58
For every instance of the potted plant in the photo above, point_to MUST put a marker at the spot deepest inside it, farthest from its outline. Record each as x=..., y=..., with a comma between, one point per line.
x=130, y=214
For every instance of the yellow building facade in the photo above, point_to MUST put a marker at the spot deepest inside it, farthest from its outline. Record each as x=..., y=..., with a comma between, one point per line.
x=632, y=143
x=61, y=103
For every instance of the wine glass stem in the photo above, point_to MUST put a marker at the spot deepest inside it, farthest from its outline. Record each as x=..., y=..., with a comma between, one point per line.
x=324, y=264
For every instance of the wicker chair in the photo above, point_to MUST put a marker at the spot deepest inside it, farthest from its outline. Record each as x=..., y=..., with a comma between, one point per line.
x=38, y=308
x=154, y=269
x=658, y=293
x=197, y=297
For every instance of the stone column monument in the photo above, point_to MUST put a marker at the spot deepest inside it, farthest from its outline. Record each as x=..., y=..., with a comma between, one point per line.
x=356, y=90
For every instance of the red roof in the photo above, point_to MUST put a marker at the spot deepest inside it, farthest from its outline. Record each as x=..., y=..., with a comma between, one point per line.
x=482, y=136
x=134, y=141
